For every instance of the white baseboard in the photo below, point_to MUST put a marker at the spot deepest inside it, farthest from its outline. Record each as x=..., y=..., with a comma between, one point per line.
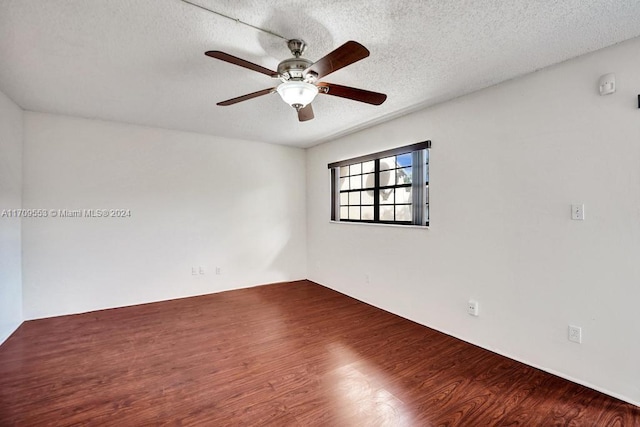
x=7, y=330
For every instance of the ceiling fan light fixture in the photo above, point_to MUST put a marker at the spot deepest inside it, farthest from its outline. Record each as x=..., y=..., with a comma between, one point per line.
x=297, y=94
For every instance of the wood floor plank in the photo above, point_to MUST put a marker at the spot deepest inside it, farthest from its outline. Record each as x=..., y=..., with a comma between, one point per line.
x=290, y=354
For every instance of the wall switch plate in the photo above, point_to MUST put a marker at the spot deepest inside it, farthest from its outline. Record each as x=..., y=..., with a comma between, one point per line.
x=575, y=334
x=577, y=212
x=473, y=308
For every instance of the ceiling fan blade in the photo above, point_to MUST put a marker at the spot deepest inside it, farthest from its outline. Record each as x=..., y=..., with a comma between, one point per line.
x=346, y=54
x=246, y=97
x=361, y=95
x=305, y=113
x=240, y=62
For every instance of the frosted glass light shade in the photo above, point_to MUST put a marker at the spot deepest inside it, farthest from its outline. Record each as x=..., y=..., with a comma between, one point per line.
x=297, y=94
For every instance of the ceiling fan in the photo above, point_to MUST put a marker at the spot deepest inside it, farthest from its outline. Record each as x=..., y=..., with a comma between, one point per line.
x=300, y=77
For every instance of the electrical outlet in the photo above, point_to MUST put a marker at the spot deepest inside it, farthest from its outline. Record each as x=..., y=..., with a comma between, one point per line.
x=575, y=334
x=473, y=308
x=218, y=271
x=201, y=270
x=577, y=212
x=194, y=271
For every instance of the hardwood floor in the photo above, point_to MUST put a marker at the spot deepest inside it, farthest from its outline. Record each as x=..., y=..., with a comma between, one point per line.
x=291, y=354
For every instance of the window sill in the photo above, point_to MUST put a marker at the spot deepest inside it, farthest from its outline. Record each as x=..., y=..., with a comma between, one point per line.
x=373, y=224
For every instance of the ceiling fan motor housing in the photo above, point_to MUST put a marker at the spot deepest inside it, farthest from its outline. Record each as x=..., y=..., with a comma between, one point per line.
x=293, y=69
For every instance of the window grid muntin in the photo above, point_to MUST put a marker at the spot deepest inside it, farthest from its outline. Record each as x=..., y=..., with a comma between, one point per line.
x=353, y=188
x=354, y=211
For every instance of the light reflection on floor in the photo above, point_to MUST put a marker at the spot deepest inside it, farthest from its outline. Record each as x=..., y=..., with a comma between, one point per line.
x=359, y=390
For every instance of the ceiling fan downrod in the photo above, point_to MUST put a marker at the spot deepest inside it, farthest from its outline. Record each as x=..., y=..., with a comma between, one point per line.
x=297, y=47
x=292, y=69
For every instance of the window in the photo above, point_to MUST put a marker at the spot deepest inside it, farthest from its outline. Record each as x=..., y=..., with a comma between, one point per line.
x=390, y=187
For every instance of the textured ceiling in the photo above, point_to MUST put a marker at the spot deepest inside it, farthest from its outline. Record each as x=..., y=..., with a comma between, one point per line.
x=142, y=61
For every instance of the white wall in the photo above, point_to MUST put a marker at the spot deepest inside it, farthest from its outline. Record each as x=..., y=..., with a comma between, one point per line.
x=195, y=200
x=506, y=164
x=10, y=198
